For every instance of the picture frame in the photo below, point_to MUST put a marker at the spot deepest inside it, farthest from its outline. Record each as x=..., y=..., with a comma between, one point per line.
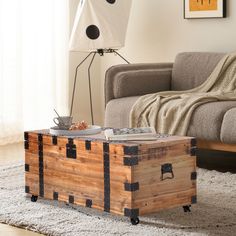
x=195, y=9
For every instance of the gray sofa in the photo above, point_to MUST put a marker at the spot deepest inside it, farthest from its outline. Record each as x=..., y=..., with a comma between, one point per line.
x=213, y=124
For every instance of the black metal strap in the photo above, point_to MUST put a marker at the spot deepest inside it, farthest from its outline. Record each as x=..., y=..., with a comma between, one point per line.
x=131, y=187
x=89, y=203
x=106, y=164
x=193, y=151
x=41, y=166
x=71, y=199
x=130, y=161
x=26, y=138
x=106, y=148
x=131, y=150
x=40, y=138
x=193, y=175
x=70, y=149
x=27, y=189
x=55, y=195
x=132, y=213
x=54, y=140
x=193, y=148
x=70, y=141
x=194, y=199
x=88, y=145
x=193, y=142
x=27, y=167
x=26, y=144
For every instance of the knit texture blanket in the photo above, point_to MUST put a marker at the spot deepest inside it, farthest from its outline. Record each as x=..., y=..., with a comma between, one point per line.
x=170, y=111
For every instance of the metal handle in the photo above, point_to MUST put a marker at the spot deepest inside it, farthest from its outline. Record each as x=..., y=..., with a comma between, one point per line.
x=167, y=168
x=56, y=121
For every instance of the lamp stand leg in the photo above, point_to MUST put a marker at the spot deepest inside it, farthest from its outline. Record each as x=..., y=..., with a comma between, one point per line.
x=101, y=53
x=75, y=80
x=121, y=56
x=90, y=92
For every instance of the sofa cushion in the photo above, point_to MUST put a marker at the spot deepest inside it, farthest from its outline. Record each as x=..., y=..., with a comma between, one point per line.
x=205, y=124
x=193, y=68
x=228, y=129
x=112, y=72
x=207, y=120
x=117, y=112
x=141, y=82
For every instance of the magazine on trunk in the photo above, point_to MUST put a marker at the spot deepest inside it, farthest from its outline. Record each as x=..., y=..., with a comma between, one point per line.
x=124, y=134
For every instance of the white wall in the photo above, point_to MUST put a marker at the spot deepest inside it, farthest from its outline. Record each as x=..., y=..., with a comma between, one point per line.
x=157, y=32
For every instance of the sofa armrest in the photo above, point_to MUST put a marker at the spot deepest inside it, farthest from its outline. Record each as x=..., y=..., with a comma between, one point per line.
x=228, y=127
x=137, y=79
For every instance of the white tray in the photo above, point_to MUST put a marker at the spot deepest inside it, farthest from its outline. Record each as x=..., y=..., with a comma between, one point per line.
x=92, y=129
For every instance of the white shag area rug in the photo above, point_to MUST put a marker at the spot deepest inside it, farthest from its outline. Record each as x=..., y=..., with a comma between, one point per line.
x=214, y=214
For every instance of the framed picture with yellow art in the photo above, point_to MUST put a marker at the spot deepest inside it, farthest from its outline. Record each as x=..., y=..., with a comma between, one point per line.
x=204, y=9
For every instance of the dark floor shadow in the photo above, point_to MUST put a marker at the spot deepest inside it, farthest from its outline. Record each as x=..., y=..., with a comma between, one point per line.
x=216, y=160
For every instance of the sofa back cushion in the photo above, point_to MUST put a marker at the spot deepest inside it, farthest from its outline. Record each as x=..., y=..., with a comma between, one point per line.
x=192, y=68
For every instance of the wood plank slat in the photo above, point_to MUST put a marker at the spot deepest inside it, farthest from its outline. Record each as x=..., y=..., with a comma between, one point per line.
x=167, y=201
x=32, y=180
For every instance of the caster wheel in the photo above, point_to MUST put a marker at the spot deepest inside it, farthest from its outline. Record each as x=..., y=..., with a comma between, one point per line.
x=34, y=198
x=187, y=208
x=134, y=221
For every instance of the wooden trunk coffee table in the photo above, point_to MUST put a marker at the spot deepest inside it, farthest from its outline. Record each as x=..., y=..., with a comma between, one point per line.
x=126, y=178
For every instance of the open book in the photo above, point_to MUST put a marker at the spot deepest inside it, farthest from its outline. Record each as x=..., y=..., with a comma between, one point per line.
x=124, y=134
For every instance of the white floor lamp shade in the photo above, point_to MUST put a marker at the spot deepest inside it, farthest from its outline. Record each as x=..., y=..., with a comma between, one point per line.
x=100, y=24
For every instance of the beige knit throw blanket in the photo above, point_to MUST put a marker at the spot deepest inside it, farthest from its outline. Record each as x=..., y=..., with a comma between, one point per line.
x=170, y=111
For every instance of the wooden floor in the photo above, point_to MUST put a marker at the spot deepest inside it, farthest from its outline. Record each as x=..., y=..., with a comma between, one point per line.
x=8, y=154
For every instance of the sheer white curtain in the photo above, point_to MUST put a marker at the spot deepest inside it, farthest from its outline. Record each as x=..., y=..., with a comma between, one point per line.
x=33, y=65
